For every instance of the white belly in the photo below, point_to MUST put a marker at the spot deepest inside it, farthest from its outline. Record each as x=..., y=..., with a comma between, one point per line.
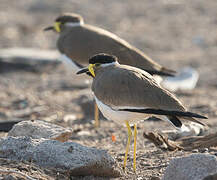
x=120, y=116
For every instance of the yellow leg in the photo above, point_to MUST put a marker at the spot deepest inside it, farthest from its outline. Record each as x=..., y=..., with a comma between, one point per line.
x=134, y=152
x=128, y=143
x=96, y=115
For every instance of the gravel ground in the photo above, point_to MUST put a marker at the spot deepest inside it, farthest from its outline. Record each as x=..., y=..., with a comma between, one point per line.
x=175, y=33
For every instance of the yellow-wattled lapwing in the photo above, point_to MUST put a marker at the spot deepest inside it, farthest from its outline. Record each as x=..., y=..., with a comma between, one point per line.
x=127, y=95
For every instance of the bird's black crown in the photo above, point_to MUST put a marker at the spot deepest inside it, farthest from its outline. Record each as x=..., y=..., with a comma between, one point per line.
x=69, y=17
x=102, y=58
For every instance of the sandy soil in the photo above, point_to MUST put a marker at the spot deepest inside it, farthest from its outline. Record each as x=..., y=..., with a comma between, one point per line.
x=175, y=33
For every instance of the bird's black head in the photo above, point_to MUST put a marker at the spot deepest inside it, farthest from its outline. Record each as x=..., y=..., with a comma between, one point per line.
x=69, y=18
x=65, y=19
x=98, y=61
x=102, y=58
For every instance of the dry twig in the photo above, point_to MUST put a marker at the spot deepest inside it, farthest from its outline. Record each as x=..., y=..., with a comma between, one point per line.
x=187, y=144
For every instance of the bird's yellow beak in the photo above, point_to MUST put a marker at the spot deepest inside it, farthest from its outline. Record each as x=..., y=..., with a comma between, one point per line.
x=57, y=26
x=91, y=69
x=85, y=70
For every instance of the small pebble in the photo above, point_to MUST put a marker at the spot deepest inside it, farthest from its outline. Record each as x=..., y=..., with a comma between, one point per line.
x=195, y=151
x=84, y=133
x=69, y=117
x=204, y=150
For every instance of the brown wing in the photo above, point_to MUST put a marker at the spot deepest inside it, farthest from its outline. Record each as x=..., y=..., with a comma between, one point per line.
x=128, y=86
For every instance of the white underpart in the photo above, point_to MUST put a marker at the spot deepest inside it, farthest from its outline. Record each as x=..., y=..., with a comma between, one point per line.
x=186, y=79
x=74, y=24
x=120, y=117
x=69, y=64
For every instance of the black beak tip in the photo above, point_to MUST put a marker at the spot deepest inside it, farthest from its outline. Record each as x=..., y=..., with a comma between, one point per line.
x=84, y=70
x=79, y=72
x=48, y=28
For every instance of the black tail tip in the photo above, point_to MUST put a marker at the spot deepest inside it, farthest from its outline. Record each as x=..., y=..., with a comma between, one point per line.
x=200, y=116
x=204, y=117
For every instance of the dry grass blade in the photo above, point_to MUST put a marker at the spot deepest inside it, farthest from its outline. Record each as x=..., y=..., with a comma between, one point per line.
x=190, y=143
x=162, y=142
x=16, y=172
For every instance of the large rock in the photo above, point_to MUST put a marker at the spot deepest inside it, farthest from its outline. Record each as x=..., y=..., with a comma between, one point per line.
x=37, y=129
x=193, y=167
x=73, y=158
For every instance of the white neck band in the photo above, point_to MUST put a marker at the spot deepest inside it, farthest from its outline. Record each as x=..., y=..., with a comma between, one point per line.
x=74, y=24
x=109, y=64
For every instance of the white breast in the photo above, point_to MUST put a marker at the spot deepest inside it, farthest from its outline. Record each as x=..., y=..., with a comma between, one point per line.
x=120, y=117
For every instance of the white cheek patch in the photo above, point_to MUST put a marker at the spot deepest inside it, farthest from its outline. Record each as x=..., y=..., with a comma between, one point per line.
x=69, y=64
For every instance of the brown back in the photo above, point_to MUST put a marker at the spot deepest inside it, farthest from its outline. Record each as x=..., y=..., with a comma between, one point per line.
x=121, y=85
x=82, y=42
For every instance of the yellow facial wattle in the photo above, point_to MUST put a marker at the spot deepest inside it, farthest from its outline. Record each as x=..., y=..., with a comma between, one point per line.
x=91, y=69
x=57, y=26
